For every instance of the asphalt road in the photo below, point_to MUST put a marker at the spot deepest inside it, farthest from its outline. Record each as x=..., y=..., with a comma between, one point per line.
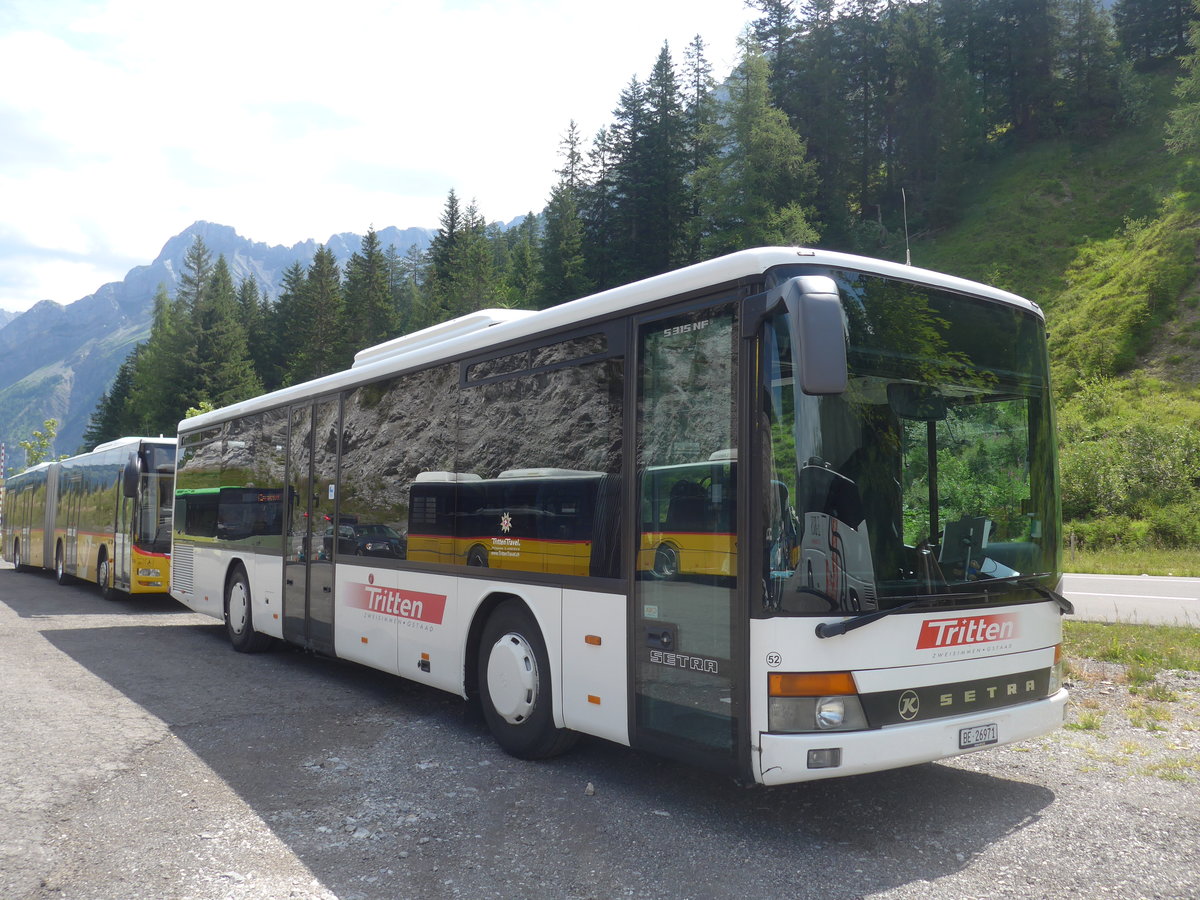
x=1141, y=599
x=142, y=758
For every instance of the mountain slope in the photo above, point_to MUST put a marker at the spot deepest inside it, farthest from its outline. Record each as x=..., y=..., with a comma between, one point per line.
x=56, y=361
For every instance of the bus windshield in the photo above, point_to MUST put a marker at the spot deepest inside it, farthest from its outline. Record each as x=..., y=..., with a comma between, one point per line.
x=933, y=475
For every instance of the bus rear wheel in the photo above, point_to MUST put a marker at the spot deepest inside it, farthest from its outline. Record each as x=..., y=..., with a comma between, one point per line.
x=18, y=561
x=514, y=685
x=239, y=617
x=60, y=567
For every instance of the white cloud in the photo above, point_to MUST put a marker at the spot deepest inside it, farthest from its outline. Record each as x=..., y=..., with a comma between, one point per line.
x=133, y=118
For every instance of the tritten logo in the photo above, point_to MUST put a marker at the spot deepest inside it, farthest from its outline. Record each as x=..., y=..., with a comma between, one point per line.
x=397, y=602
x=967, y=630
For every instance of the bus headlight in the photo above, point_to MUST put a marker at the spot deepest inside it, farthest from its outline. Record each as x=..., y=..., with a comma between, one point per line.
x=831, y=712
x=807, y=702
x=149, y=573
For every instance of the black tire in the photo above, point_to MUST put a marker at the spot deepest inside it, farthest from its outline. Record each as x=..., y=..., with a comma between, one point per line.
x=239, y=616
x=60, y=567
x=666, y=562
x=104, y=578
x=514, y=686
x=18, y=560
x=478, y=556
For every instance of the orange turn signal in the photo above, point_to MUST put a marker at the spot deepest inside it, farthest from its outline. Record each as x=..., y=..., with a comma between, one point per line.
x=810, y=684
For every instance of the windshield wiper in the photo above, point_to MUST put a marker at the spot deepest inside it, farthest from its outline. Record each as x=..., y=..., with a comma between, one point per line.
x=833, y=629
x=1032, y=583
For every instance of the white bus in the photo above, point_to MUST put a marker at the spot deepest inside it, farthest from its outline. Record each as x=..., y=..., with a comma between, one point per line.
x=102, y=517
x=893, y=409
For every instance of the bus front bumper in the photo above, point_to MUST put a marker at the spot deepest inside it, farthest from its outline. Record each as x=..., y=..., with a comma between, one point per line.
x=787, y=758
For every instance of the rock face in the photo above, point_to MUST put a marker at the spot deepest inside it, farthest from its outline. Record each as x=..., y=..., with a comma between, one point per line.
x=56, y=361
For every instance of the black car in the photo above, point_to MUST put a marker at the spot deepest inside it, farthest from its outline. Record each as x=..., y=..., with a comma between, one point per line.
x=376, y=540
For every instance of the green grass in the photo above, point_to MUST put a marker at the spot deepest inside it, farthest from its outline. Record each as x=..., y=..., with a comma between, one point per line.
x=1147, y=648
x=1088, y=721
x=1117, y=561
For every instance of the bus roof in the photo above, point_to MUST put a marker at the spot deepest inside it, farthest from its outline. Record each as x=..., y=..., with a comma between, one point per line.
x=118, y=443
x=477, y=331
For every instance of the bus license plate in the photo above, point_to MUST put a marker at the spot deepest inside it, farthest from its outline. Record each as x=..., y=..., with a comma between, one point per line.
x=978, y=736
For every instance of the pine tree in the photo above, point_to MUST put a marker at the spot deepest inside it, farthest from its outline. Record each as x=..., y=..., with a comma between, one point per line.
x=253, y=311
x=474, y=283
x=630, y=171
x=564, y=275
x=1183, y=129
x=369, y=308
x=437, y=302
x=700, y=116
x=1092, y=70
x=666, y=156
x=409, y=296
x=164, y=383
x=759, y=189
x=196, y=277
x=597, y=208
x=926, y=122
x=775, y=32
x=286, y=325
x=113, y=416
x=1153, y=29
x=814, y=105
x=226, y=371
x=524, y=278
x=319, y=345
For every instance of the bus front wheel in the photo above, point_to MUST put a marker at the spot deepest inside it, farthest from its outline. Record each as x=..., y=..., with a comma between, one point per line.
x=60, y=567
x=514, y=685
x=239, y=617
x=104, y=577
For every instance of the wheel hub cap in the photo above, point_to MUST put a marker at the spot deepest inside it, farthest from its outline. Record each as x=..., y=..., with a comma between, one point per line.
x=512, y=678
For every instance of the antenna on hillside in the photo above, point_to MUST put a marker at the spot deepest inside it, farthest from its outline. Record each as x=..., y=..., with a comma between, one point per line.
x=907, y=252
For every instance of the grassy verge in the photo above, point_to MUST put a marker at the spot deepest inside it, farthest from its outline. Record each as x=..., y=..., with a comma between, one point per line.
x=1181, y=563
x=1146, y=649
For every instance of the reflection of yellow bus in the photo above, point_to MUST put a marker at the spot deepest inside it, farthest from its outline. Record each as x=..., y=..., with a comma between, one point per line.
x=102, y=517
x=531, y=520
x=687, y=523
x=230, y=514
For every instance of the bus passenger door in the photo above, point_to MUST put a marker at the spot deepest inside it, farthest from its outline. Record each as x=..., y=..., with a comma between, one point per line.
x=686, y=629
x=308, y=555
x=73, y=487
x=123, y=536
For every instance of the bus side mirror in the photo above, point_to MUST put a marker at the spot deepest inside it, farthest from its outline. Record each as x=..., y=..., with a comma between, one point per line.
x=818, y=333
x=131, y=476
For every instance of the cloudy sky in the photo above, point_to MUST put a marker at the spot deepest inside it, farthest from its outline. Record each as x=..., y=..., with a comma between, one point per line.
x=124, y=121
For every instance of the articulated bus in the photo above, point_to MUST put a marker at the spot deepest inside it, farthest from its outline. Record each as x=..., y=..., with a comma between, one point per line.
x=786, y=514
x=102, y=517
